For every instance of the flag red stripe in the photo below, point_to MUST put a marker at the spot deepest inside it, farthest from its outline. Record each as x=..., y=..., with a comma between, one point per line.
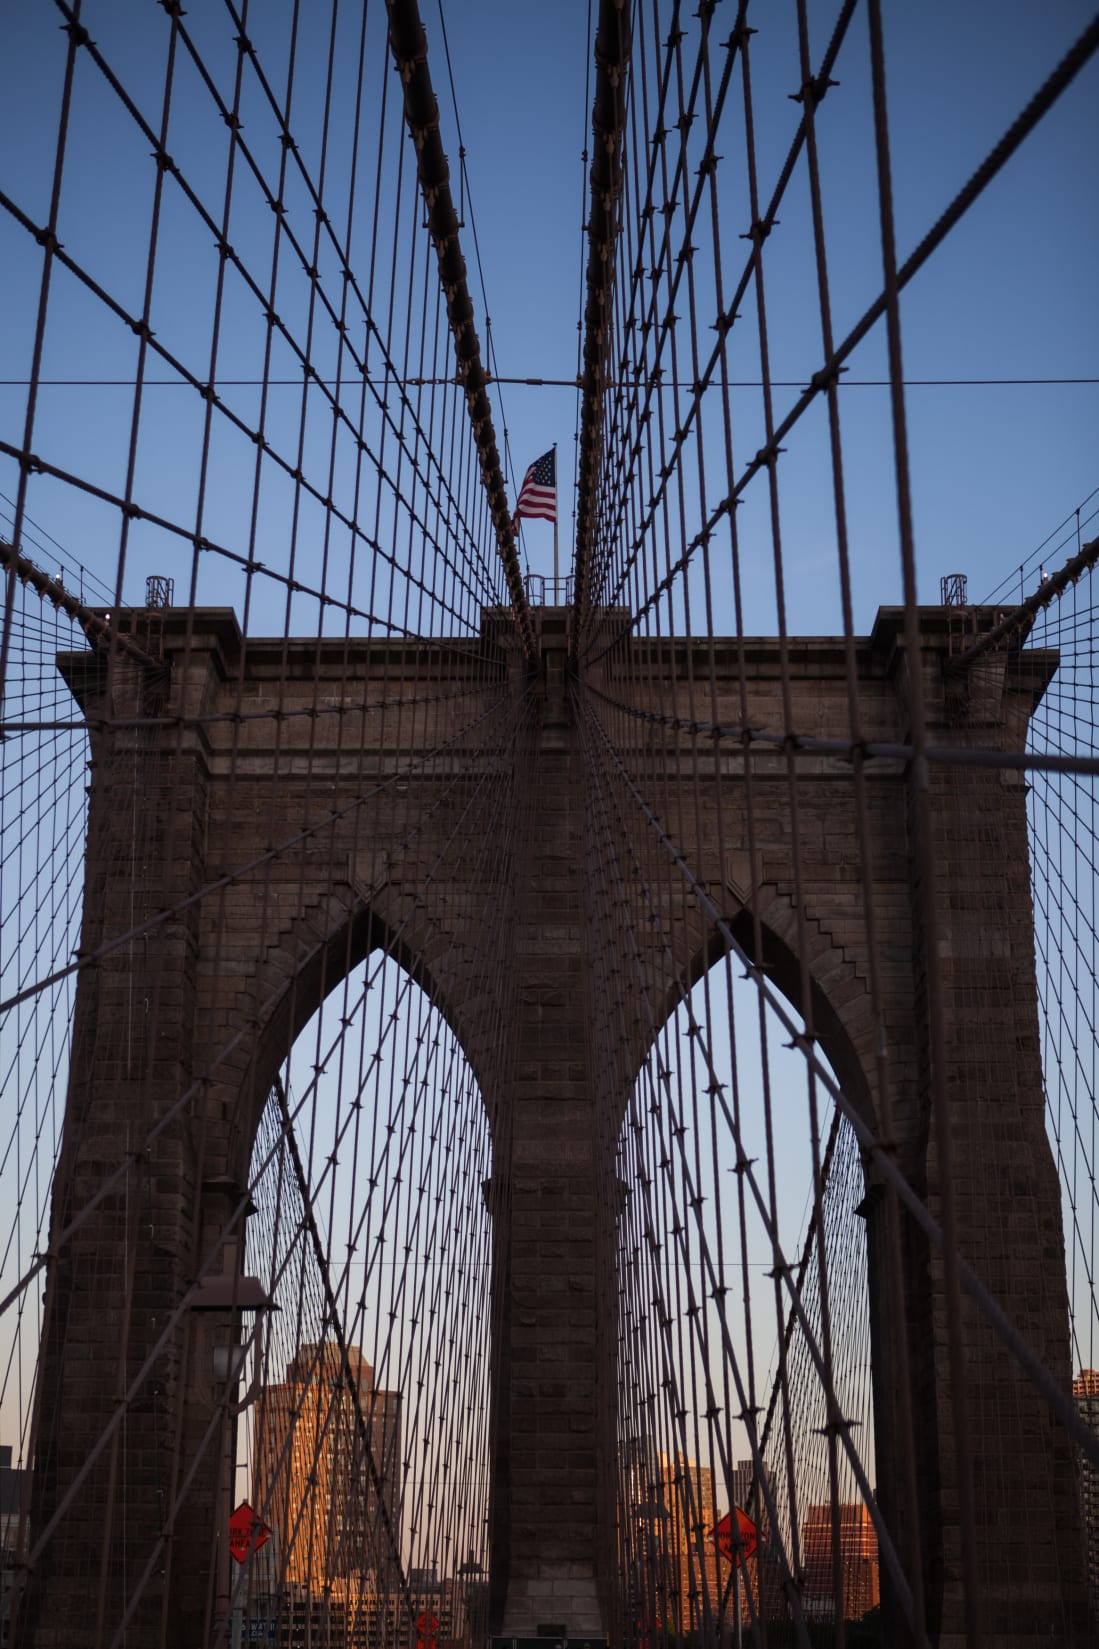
x=538, y=493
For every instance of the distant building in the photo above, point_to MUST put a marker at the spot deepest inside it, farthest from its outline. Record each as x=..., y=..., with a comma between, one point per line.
x=345, y=1615
x=678, y=1579
x=327, y=1472
x=740, y=1483
x=1085, y=1392
x=326, y=1481
x=12, y=1481
x=691, y=1567
x=858, y=1561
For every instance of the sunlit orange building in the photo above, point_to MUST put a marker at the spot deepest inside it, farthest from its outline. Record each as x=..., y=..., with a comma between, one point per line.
x=690, y=1577
x=327, y=1469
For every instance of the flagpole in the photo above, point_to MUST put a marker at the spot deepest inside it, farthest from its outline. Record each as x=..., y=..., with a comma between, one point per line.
x=555, y=567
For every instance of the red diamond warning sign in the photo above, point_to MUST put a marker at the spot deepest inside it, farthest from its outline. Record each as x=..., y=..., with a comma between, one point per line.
x=723, y=1535
x=247, y=1532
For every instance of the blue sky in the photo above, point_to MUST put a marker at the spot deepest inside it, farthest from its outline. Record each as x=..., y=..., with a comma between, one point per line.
x=1010, y=295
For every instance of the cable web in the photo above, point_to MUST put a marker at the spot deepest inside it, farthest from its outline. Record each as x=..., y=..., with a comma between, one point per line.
x=1063, y=821
x=43, y=818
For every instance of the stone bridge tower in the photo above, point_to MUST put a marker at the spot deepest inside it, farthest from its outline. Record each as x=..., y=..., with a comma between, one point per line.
x=235, y=945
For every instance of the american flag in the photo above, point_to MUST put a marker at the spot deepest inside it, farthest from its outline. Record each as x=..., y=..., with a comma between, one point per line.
x=538, y=494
